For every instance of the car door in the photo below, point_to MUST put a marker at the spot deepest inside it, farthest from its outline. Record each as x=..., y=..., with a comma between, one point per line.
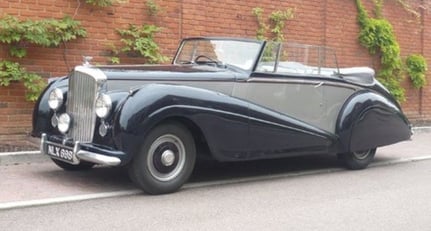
x=287, y=115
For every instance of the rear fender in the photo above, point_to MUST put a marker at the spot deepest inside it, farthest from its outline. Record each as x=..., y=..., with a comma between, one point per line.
x=369, y=120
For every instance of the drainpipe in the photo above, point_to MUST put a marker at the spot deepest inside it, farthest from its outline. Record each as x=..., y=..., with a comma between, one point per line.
x=180, y=26
x=422, y=38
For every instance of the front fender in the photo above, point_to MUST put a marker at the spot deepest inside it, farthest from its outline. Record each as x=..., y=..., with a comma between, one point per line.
x=221, y=119
x=41, y=118
x=369, y=120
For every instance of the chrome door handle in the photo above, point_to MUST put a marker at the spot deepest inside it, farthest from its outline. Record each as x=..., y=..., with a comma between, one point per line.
x=318, y=85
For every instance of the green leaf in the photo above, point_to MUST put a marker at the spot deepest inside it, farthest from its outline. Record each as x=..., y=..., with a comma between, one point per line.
x=416, y=67
x=18, y=52
x=46, y=32
x=140, y=39
x=377, y=35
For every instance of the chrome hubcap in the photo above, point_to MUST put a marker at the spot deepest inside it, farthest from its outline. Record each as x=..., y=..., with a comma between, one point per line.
x=168, y=158
x=361, y=154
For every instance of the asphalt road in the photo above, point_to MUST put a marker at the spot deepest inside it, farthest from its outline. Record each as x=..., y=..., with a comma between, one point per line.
x=394, y=197
x=306, y=193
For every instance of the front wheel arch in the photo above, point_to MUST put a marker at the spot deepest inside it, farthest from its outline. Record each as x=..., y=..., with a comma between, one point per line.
x=203, y=149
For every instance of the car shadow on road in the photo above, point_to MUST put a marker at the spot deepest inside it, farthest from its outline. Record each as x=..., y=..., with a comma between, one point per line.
x=204, y=172
x=45, y=180
x=216, y=171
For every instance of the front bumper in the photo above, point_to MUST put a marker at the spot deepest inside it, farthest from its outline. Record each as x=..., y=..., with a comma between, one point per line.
x=80, y=152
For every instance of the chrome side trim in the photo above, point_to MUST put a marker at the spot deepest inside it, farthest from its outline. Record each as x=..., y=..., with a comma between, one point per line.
x=326, y=82
x=79, y=154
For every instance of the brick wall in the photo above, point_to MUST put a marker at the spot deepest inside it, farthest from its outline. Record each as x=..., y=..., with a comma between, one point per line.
x=320, y=22
x=15, y=112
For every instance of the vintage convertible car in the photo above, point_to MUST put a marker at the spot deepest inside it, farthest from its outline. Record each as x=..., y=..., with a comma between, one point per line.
x=225, y=98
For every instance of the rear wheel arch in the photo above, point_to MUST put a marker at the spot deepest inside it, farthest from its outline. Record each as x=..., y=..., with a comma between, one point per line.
x=368, y=120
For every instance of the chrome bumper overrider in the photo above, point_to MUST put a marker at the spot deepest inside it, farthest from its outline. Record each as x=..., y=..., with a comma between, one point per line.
x=79, y=154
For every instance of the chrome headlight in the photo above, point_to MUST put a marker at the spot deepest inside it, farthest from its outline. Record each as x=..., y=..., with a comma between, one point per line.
x=63, y=123
x=103, y=106
x=55, y=99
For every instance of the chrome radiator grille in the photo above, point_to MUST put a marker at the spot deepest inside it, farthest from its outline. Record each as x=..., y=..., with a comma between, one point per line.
x=81, y=97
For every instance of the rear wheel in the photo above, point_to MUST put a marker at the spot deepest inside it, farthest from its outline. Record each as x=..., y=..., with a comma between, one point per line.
x=357, y=160
x=70, y=167
x=165, y=161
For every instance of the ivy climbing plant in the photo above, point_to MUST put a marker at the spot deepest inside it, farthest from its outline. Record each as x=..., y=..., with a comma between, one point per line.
x=47, y=33
x=276, y=23
x=152, y=7
x=100, y=3
x=138, y=40
x=377, y=35
x=417, y=67
x=17, y=35
x=12, y=71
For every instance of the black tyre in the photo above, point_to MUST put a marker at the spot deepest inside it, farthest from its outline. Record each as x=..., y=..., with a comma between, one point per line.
x=357, y=160
x=165, y=161
x=70, y=167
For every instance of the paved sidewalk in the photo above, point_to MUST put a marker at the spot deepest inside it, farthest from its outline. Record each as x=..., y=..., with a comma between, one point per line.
x=26, y=157
x=417, y=147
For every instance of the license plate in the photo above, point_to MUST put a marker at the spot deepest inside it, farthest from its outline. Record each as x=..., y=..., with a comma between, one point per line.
x=62, y=153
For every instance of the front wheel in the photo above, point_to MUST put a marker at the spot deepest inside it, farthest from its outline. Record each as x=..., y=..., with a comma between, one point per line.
x=165, y=161
x=357, y=160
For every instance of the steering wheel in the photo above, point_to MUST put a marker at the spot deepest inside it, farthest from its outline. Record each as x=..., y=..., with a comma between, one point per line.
x=208, y=59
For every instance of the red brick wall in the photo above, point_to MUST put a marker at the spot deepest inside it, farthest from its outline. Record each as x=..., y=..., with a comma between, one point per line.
x=15, y=112
x=321, y=22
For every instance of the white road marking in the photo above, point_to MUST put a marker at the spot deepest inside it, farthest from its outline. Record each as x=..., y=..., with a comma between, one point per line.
x=400, y=161
x=56, y=200
x=19, y=153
